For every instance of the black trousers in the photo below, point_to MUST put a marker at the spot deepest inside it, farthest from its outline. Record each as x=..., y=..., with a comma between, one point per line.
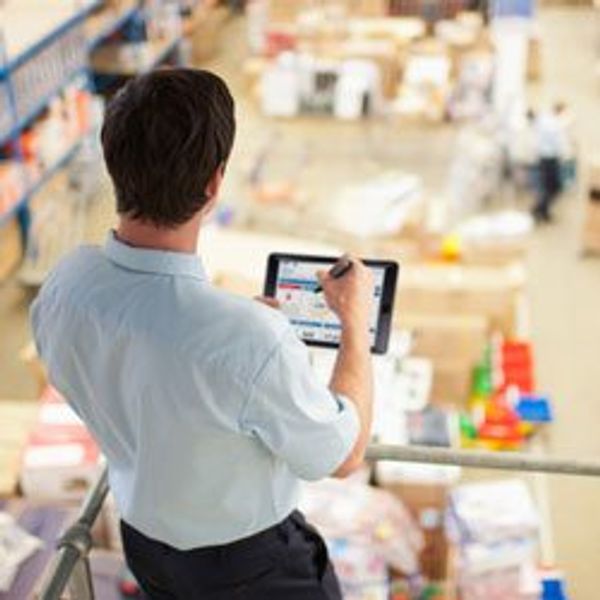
x=549, y=186
x=286, y=562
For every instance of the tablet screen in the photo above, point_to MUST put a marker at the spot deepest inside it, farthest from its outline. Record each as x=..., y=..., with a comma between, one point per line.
x=295, y=285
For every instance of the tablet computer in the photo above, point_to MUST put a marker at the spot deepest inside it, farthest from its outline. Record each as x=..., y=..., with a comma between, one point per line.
x=292, y=279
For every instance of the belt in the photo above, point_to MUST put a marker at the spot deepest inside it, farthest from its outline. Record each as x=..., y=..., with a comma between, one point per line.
x=273, y=534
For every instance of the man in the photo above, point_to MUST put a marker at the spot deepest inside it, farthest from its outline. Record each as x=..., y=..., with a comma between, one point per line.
x=550, y=147
x=204, y=403
x=566, y=121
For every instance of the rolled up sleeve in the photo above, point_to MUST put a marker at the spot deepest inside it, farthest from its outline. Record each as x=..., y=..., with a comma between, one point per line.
x=299, y=419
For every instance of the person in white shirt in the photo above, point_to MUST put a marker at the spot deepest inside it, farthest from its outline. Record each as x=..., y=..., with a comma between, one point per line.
x=569, y=155
x=204, y=403
x=522, y=148
x=550, y=149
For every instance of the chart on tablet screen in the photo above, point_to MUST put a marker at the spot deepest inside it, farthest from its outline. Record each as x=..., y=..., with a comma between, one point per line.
x=307, y=310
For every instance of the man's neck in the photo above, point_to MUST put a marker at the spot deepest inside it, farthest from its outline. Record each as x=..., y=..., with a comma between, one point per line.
x=183, y=238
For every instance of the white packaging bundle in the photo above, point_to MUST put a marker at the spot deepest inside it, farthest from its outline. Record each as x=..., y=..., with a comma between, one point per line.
x=280, y=87
x=364, y=516
x=363, y=573
x=495, y=525
x=503, y=227
x=16, y=546
x=377, y=207
x=493, y=512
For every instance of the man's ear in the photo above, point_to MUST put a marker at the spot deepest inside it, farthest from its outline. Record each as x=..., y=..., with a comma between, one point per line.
x=213, y=188
x=214, y=185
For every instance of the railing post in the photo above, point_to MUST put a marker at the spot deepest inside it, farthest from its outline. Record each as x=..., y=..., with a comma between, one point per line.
x=71, y=569
x=81, y=586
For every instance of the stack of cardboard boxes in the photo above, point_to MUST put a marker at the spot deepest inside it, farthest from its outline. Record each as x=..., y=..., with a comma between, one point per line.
x=48, y=456
x=454, y=345
x=591, y=232
x=495, y=526
x=451, y=311
x=416, y=72
x=284, y=11
x=425, y=494
x=16, y=420
x=203, y=27
x=11, y=247
x=61, y=461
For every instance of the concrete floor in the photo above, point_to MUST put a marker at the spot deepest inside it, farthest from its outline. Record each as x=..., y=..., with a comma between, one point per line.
x=563, y=287
x=564, y=292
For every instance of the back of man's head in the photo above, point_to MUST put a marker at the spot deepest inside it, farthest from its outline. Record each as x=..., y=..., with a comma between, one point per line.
x=165, y=135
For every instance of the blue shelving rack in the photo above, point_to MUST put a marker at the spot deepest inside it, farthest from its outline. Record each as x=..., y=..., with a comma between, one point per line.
x=18, y=110
x=120, y=21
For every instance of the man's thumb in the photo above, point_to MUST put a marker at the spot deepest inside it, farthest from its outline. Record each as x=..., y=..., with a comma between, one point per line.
x=322, y=276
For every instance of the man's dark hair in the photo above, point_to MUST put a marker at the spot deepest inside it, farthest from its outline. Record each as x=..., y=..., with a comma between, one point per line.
x=164, y=136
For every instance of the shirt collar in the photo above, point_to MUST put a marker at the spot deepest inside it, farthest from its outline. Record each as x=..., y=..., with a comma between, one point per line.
x=162, y=262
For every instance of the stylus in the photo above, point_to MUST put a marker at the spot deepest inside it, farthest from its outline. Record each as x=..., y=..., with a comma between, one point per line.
x=338, y=270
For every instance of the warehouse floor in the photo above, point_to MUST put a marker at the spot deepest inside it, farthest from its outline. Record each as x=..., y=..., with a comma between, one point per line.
x=564, y=288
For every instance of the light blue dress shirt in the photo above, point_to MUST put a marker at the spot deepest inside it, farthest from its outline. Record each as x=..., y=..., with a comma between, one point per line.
x=204, y=403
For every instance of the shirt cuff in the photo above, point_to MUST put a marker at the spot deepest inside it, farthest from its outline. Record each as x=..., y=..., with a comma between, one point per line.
x=343, y=439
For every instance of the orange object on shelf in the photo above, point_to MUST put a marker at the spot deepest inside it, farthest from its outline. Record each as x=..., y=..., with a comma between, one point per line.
x=502, y=424
x=29, y=144
x=83, y=101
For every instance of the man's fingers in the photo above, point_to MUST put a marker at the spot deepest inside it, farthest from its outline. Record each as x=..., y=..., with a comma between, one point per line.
x=272, y=302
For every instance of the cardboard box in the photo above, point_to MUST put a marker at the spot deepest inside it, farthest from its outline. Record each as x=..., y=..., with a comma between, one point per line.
x=495, y=254
x=534, y=58
x=253, y=70
x=421, y=497
x=205, y=28
x=401, y=30
x=61, y=461
x=471, y=19
x=36, y=367
x=403, y=249
x=11, y=247
x=288, y=11
x=284, y=11
x=594, y=174
x=427, y=503
x=17, y=419
x=443, y=337
x=435, y=556
x=452, y=380
x=12, y=185
x=367, y=8
x=591, y=230
x=383, y=54
x=487, y=292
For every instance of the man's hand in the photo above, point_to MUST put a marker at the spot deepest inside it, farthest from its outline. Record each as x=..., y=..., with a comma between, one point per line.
x=350, y=297
x=271, y=302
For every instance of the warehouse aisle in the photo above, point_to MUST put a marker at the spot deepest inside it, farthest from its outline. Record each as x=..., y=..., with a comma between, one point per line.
x=564, y=289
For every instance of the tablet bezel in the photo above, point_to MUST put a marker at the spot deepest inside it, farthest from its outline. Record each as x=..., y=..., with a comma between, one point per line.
x=388, y=293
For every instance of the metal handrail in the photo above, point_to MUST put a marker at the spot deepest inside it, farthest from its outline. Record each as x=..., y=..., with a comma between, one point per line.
x=71, y=570
x=477, y=459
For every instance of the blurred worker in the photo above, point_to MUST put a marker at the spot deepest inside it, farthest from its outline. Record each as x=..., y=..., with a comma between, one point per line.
x=204, y=403
x=569, y=151
x=550, y=146
x=237, y=5
x=522, y=145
